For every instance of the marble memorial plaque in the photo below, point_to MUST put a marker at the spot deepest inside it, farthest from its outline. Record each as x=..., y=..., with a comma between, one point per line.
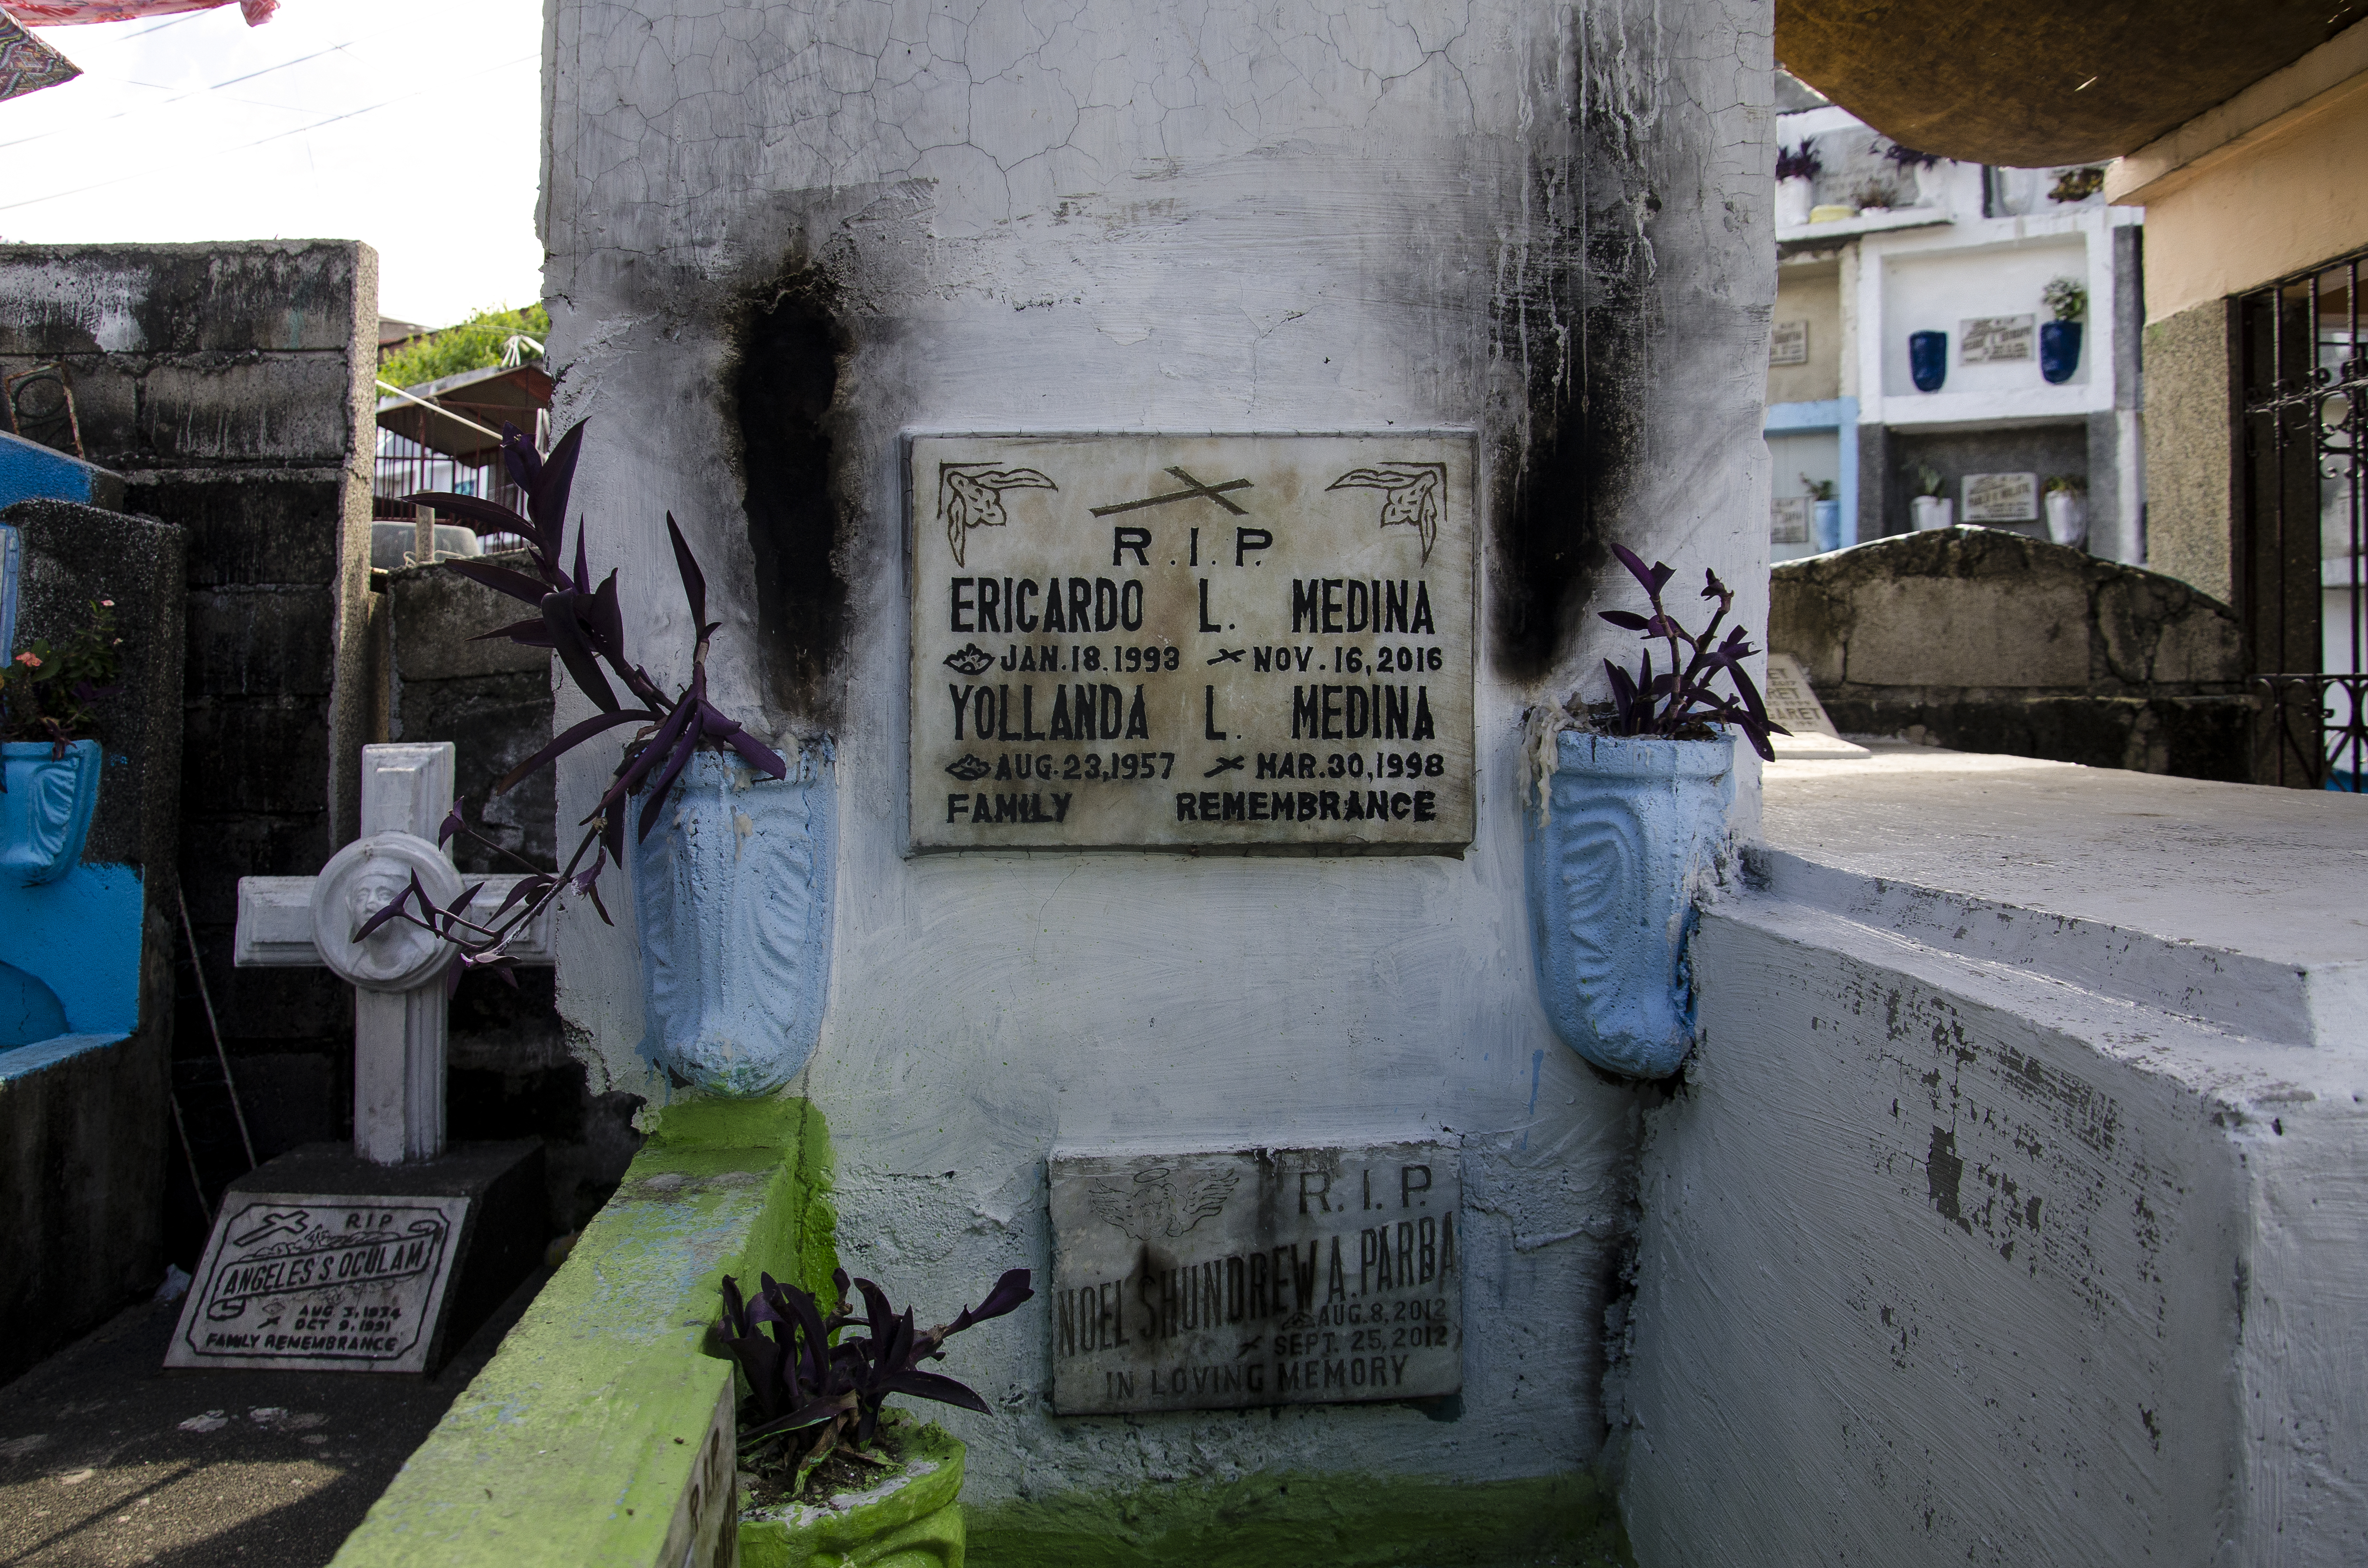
x=1991, y=340
x=1193, y=642
x=2001, y=498
x=1788, y=343
x=1791, y=520
x=326, y=1282
x=1218, y=1281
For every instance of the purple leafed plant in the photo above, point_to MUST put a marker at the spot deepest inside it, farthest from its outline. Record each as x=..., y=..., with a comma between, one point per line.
x=817, y=1397
x=583, y=625
x=1798, y=162
x=1678, y=703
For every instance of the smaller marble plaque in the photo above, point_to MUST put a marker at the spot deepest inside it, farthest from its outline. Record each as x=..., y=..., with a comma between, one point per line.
x=1790, y=523
x=2001, y=498
x=321, y=1281
x=1218, y=1281
x=1792, y=703
x=1788, y=343
x=1991, y=340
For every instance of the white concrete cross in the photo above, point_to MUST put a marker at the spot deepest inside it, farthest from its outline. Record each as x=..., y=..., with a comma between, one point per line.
x=397, y=972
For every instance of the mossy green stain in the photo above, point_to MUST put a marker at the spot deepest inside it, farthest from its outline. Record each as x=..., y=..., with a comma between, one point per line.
x=1314, y=1521
x=576, y=1441
x=917, y=1524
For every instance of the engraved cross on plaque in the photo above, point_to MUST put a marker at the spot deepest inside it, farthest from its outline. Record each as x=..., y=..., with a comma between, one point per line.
x=397, y=972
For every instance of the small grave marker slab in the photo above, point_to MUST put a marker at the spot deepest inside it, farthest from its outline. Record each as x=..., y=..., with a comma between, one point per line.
x=1792, y=704
x=322, y=1260
x=1788, y=343
x=1216, y=1281
x=297, y=1281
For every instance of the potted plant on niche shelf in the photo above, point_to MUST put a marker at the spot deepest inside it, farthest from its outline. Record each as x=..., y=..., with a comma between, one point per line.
x=826, y=1475
x=1631, y=797
x=732, y=843
x=2059, y=339
x=1796, y=182
x=1918, y=169
x=1825, y=508
x=2066, y=505
x=48, y=753
x=1928, y=506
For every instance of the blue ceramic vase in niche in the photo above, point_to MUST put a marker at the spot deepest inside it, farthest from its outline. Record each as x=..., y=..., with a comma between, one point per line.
x=1828, y=527
x=732, y=894
x=1627, y=837
x=2059, y=350
x=45, y=815
x=1928, y=360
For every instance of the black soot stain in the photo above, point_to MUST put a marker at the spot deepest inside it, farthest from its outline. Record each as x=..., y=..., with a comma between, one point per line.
x=784, y=387
x=1579, y=328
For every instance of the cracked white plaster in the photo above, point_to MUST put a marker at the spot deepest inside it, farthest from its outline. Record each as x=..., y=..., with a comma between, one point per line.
x=1153, y=214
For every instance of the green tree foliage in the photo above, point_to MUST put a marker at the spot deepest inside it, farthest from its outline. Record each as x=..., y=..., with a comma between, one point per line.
x=474, y=344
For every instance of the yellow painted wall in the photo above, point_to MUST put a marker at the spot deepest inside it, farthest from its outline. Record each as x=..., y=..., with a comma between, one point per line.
x=1810, y=291
x=2296, y=199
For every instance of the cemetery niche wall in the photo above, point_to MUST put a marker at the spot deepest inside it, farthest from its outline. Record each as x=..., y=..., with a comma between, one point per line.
x=1013, y=272
x=89, y=905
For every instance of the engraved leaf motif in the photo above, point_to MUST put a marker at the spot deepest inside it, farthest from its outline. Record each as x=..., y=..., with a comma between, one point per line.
x=970, y=495
x=1413, y=495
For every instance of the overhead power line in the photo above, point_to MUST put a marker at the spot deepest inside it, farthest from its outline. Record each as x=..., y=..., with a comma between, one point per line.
x=275, y=136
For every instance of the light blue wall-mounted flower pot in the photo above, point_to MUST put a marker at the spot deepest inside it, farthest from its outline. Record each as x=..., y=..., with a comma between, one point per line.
x=1827, y=516
x=1631, y=829
x=733, y=895
x=46, y=814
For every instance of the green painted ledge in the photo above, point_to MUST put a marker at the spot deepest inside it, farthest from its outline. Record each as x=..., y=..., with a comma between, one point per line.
x=1315, y=1521
x=577, y=1443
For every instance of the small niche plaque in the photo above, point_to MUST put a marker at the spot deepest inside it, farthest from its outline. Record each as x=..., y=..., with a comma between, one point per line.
x=1192, y=642
x=1269, y=1276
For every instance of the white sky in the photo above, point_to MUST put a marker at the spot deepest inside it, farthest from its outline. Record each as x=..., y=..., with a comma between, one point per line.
x=412, y=125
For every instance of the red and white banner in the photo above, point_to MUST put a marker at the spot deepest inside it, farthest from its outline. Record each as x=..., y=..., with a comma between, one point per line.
x=63, y=13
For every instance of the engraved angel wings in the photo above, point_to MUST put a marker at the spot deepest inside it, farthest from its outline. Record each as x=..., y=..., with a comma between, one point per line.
x=1414, y=494
x=1161, y=1202
x=970, y=495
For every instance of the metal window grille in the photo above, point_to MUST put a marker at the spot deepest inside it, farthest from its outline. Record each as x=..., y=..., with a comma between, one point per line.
x=2300, y=568
x=404, y=467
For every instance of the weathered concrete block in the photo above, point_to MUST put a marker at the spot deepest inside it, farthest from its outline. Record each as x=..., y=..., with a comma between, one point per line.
x=438, y=611
x=81, y=1180
x=247, y=528
x=249, y=641
x=1984, y=630
x=497, y=721
x=263, y=754
x=290, y=409
x=1983, y=640
x=164, y=299
x=2017, y=1205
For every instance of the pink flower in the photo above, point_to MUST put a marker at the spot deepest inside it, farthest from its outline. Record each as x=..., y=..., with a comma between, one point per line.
x=109, y=604
x=30, y=661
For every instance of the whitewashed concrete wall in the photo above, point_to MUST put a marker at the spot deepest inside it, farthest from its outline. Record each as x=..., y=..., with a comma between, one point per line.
x=1194, y=217
x=2016, y=1209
